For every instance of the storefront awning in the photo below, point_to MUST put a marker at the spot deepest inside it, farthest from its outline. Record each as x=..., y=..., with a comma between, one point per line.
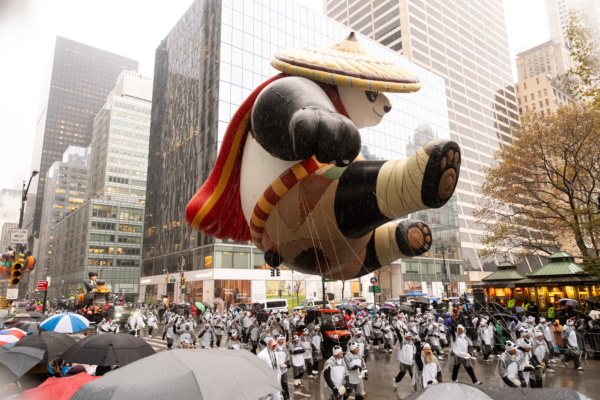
x=572, y=280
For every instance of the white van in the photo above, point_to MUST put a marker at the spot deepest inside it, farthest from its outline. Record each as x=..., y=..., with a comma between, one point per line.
x=280, y=305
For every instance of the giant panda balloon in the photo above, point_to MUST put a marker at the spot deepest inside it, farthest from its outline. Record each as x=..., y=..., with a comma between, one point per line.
x=289, y=175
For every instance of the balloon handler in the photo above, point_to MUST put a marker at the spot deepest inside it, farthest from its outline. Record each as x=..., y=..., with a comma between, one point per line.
x=290, y=178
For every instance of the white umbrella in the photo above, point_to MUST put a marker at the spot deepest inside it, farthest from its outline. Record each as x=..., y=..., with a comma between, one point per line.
x=568, y=302
x=66, y=323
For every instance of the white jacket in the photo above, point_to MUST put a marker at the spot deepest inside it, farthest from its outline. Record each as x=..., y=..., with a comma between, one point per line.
x=270, y=358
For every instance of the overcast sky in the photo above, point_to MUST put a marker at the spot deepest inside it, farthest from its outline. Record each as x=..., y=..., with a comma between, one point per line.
x=131, y=28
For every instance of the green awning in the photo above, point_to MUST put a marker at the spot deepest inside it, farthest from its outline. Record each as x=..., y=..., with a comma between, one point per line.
x=505, y=275
x=559, y=263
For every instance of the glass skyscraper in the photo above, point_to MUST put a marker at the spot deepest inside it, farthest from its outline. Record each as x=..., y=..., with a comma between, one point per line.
x=76, y=83
x=108, y=230
x=465, y=42
x=209, y=63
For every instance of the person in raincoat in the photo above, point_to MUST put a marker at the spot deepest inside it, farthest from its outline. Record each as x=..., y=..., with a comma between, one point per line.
x=186, y=333
x=486, y=334
x=254, y=333
x=527, y=363
x=219, y=331
x=169, y=333
x=426, y=368
x=285, y=325
x=269, y=357
x=284, y=364
x=335, y=376
x=297, y=355
x=362, y=343
x=549, y=339
x=263, y=339
x=540, y=351
x=307, y=344
x=316, y=339
x=151, y=324
x=114, y=328
x=460, y=352
x=134, y=325
x=377, y=326
x=103, y=327
x=434, y=337
x=508, y=366
x=569, y=337
x=246, y=322
x=357, y=370
x=206, y=336
x=388, y=339
x=405, y=355
x=234, y=343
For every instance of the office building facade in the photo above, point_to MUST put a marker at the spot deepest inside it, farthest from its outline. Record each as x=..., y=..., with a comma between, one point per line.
x=209, y=63
x=109, y=231
x=65, y=189
x=466, y=43
x=541, y=94
x=76, y=83
x=548, y=58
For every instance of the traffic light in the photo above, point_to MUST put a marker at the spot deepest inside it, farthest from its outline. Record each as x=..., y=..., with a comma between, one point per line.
x=16, y=270
x=182, y=281
x=272, y=271
x=278, y=272
x=166, y=279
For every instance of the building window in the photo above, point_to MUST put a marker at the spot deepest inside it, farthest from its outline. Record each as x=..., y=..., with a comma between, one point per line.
x=548, y=111
x=541, y=104
x=539, y=93
x=545, y=92
x=524, y=86
x=547, y=102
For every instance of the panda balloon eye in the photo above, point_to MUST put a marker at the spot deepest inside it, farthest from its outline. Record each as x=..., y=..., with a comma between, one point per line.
x=372, y=96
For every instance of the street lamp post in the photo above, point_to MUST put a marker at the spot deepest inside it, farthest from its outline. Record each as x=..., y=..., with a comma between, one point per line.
x=445, y=269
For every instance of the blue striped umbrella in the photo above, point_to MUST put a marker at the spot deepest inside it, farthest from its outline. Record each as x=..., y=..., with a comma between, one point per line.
x=65, y=323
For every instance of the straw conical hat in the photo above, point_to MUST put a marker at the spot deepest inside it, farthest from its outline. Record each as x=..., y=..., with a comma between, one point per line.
x=348, y=64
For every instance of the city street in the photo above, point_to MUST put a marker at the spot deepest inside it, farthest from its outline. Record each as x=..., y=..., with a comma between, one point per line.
x=382, y=371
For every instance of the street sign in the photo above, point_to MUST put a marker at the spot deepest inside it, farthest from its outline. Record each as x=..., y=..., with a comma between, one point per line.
x=374, y=289
x=445, y=280
x=373, y=280
x=18, y=236
x=42, y=285
x=183, y=291
x=172, y=280
x=12, y=294
x=6, y=263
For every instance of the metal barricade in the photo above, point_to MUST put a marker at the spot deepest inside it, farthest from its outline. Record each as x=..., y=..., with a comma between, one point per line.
x=591, y=343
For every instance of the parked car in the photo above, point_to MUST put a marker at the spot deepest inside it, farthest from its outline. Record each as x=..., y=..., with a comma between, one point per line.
x=313, y=303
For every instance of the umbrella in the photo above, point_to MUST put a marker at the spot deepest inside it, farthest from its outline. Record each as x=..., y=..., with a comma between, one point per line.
x=519, y=310
x=11, y=335
x=28, y=326
x=66, y=323
x=416, y=293
x=37, y=316
x=422, y=301
x=14, y=363
x=187, y=374
x=594, y=300
x=200, y=306
x=116, y=349
x=57, y=388
x=184, y=304
x=387, y=307
x=568, y=302
x=54, y=344
x=461, y=391
x=208, y=305
x=406, y=308
x=17, y=318
x=502, y=315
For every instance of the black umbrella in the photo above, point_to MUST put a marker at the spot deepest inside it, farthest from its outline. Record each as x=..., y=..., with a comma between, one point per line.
x=387, y=307
x=594, y=300
x=109, y=349
x=502, y=316
x=406, y=308
x=28, y=326
x=14, y=363
x=208, y=305
x=183, y=373
x=422, y=300
x=54, y=344
x=37, y=316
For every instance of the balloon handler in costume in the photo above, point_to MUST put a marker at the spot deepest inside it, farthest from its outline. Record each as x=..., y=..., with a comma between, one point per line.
x=426, y=368
x=289, y=175
x=335, y=380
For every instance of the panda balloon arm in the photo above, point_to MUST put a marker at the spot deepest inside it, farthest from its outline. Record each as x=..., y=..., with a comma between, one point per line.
x=294, y=119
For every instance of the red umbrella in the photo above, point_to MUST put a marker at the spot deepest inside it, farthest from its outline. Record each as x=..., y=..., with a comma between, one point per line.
x=57, y=388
